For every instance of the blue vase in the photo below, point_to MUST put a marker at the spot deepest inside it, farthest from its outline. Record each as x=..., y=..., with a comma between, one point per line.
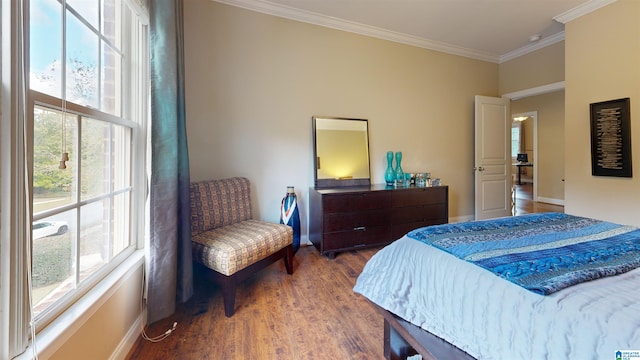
x=289, y=215
x=390, y=174
x=399, y=172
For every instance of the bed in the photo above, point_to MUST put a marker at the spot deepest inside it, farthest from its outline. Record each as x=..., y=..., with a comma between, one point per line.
x=523, y=287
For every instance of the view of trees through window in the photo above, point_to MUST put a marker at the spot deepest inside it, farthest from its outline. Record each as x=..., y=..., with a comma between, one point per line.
x=82, y=145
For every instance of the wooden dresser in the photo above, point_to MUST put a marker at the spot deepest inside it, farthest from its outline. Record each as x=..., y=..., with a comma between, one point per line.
x=348, y=218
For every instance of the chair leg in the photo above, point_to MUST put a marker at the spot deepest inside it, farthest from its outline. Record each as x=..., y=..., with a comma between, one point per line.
x=229, y=296
x=288, y=259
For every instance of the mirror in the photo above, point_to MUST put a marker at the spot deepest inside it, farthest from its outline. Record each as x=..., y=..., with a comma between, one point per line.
x=341, y=152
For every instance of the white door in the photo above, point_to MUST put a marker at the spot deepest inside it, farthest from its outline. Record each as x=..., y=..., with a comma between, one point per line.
x=492, y=157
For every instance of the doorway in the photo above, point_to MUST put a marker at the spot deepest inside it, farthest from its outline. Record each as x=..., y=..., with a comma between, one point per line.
x=527, y=123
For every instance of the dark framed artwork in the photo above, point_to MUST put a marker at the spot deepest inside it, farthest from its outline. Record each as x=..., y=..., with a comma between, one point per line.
x=611, y=138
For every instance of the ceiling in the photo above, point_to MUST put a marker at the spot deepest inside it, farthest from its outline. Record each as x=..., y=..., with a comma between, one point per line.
x=491, y=30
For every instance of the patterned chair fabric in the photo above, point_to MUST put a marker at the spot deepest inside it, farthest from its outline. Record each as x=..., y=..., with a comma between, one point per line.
x=217, y=203
x=225, y=237
x=231, y=248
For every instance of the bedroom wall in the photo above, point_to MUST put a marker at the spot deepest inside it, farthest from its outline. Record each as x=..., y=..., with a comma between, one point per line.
x=602, y=63
x=253, y=82
x=551, y=135
x=100, y=334
x=541, y=67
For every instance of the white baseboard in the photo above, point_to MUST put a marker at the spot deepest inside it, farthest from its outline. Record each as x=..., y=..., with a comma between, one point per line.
x=129, y=340
x=551, y=201
x=461, y=218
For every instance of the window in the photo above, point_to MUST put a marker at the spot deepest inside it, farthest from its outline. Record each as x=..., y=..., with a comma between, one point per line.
x=516, y=143
x=87, y=120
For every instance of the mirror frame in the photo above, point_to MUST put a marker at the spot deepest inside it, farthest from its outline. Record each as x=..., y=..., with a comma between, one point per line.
x=324, y=183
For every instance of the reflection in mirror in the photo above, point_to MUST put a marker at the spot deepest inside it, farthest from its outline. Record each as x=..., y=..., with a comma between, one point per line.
x=341, y=149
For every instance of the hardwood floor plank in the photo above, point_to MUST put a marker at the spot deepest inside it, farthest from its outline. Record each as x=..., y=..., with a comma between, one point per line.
x=312, y=314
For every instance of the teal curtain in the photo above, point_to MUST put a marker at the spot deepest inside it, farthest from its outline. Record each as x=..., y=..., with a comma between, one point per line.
x=169, y=266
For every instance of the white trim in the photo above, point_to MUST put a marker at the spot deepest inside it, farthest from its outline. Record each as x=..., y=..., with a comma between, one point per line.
x=544, y=42
x=461, y=219
x=539, y=90
x=551, y=201
x=581, y=10
x=356, y=28
x=129, y=339
x=50, y=339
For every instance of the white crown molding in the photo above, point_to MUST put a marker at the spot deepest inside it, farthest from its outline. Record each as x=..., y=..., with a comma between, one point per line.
x=309, y=17
x=557, y=86
x=357, y=28
x=581, y=10
x=544, y=42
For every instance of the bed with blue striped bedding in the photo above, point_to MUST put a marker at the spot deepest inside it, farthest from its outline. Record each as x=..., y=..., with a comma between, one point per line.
x=542, y=253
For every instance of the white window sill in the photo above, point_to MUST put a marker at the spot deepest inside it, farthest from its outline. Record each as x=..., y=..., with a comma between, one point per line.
x=51, y=338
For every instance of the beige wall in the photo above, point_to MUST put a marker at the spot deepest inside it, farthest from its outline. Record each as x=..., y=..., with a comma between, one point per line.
x=106, y=332
x=550, y=159
x=253, y=82
x=541, y=67
x=602, y=63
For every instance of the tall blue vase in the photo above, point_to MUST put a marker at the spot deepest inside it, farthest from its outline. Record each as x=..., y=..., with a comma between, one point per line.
x=289, y=215
x=399, y=172
x=390, y=174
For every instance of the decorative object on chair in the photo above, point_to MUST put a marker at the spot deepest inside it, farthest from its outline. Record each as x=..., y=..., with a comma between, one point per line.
x=399, y=172
x=289, y=215
x=611, y=138
x=390, y=174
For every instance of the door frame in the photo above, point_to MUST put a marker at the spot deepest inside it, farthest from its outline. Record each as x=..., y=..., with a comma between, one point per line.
x=538, y=90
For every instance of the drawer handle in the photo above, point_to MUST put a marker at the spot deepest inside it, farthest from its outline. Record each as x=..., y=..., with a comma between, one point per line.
x=360, y=228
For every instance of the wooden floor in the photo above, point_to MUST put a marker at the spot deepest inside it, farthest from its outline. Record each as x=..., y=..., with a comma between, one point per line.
x=525, y=204
x=312, y=314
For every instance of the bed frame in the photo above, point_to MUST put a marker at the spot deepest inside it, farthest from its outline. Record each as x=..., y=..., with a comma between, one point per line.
x=403, y=339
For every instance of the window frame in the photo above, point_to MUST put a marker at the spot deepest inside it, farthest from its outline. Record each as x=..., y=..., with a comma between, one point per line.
x=43, y=100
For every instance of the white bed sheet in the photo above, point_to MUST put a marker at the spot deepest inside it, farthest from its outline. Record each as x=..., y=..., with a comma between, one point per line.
x=491, y=318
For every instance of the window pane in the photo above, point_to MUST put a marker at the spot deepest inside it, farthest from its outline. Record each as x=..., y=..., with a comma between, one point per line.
x=53, y=257
x=95, y=158
x=111, y=80
x=121, y=221
x=88, y=9
x=515, y=141
x=46, y=47
x=82, y=63
x=53, y=187
x=94, y=237
x=121, y=157
x=112, y=21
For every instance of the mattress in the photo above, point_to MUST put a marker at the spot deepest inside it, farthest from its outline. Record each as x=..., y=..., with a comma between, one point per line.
x=491, y=318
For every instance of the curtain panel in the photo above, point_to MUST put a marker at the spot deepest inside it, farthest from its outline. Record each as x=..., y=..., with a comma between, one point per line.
x=169, y=266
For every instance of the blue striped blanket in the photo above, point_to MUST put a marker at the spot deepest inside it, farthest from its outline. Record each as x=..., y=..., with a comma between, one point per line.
x=543, y=252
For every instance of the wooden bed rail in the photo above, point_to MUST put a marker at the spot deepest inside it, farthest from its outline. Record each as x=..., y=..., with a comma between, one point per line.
x=403, y=339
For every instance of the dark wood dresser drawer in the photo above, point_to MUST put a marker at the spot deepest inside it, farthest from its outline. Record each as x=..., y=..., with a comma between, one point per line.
x=360, y=201
x=420, y=196
x=348, y=240
x=421, y=213
x=356, y=220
